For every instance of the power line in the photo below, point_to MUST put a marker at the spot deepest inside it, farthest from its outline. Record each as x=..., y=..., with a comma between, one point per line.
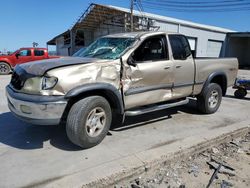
x=206, y=6
x=140, y=5
x=197, y=10
x=197, y=6
x=202, y=2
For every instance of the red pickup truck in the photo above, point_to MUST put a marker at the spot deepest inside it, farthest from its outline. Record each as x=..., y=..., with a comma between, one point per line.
x=23, y=55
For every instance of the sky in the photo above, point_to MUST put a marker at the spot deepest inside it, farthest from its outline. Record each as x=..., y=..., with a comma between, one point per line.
x=26, y=21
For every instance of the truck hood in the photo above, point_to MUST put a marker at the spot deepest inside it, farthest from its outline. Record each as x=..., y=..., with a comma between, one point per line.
x=39, y=68
x=4, y=56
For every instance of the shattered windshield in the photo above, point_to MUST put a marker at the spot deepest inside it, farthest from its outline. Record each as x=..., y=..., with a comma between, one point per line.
x=107, y=48
x=79, y=52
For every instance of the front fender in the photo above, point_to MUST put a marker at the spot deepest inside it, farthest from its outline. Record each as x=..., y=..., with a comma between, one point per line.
x=7, y=61
x=112, y=94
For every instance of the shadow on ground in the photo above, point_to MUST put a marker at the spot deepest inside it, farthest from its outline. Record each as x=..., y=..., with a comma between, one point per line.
x=20, y=135
x=24, y=136
x=141, y=120
x=246, y=98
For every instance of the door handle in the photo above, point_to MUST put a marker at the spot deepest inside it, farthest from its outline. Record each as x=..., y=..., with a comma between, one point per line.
x=167, y=67
x=178, y=66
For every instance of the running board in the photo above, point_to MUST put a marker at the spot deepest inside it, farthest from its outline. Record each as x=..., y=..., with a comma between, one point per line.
x=155, y=108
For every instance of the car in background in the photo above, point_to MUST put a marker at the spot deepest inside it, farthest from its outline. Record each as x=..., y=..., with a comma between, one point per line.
x=23, y=55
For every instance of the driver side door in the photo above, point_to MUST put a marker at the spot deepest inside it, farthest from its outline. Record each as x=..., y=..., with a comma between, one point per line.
x=151, y=79
x=24, y=56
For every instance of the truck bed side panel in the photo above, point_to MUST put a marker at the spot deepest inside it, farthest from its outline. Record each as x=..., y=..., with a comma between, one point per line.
x=207, y=66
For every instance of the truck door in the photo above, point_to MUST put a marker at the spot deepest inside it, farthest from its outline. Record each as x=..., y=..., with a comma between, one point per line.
x=23, y=56
x=39, y=54
x=184, y=68
x=151, y=79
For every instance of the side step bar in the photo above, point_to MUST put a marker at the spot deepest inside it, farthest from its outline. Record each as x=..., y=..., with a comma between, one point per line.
x=156, y=108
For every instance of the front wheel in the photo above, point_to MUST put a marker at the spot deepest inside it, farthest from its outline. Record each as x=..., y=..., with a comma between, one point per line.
x=4, y=68
x=88, y=121
x=209, y=100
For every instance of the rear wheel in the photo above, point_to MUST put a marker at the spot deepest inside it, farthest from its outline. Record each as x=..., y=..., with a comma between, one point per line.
x=4, y=68
x=240, y=93
x=210, y=99
x=89, y=121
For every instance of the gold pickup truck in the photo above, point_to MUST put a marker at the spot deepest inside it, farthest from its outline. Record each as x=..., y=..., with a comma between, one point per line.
x=119, y=75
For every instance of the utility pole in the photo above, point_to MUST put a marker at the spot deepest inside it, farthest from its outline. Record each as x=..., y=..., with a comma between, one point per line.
x=131, y=15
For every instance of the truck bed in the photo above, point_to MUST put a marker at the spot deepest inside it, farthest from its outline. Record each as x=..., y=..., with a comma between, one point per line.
x=205, y=66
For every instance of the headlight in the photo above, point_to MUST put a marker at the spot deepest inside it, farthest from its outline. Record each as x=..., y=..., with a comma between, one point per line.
x=33, y=84
x=48, y=82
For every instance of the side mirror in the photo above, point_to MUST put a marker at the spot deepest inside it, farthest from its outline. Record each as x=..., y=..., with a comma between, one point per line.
x=131, y=62
x=17, y=55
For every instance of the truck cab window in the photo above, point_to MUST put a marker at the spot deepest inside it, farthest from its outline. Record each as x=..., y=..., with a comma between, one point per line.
x=151, y=49
x=38, y=52
x=180, y=47
x=25, y=53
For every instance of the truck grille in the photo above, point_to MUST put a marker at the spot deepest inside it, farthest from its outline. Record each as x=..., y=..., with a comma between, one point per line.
x=16, y=81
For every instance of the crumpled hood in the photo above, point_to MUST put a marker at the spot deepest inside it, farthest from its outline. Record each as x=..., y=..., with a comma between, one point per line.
x=38, y=68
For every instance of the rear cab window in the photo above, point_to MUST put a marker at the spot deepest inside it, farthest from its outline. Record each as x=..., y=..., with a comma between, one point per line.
x=180, y=47
x=39, y=52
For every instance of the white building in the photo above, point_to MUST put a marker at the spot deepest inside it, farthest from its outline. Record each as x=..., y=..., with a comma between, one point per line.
x=99, y=20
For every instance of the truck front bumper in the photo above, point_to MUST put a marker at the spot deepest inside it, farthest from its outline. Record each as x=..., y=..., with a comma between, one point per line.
x=35, y=109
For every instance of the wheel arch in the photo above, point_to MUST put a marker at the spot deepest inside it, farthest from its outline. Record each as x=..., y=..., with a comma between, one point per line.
x=108, y=91
x=219, y=78
x=7, y=62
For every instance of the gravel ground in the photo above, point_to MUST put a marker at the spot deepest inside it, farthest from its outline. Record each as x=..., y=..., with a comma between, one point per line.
x=232, y=159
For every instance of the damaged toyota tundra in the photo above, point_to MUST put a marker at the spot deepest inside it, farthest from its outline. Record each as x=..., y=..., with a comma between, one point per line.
x=118, y=75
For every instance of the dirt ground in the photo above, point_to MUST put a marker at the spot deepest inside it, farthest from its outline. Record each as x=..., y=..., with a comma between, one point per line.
x=196, y=171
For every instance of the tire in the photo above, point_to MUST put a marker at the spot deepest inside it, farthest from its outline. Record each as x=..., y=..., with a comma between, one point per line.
x=88, y=121
x=209, y=100
x=4, y=68
x=240, y=93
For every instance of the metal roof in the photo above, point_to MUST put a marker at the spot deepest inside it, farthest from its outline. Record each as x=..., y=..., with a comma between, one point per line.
x=172, y=20
x=96, y=14
x=53, y=41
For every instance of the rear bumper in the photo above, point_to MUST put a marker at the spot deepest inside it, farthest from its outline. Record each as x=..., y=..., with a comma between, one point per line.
x=34, y=109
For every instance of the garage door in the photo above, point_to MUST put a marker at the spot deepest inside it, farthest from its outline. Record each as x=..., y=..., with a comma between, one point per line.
x=214, y=48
